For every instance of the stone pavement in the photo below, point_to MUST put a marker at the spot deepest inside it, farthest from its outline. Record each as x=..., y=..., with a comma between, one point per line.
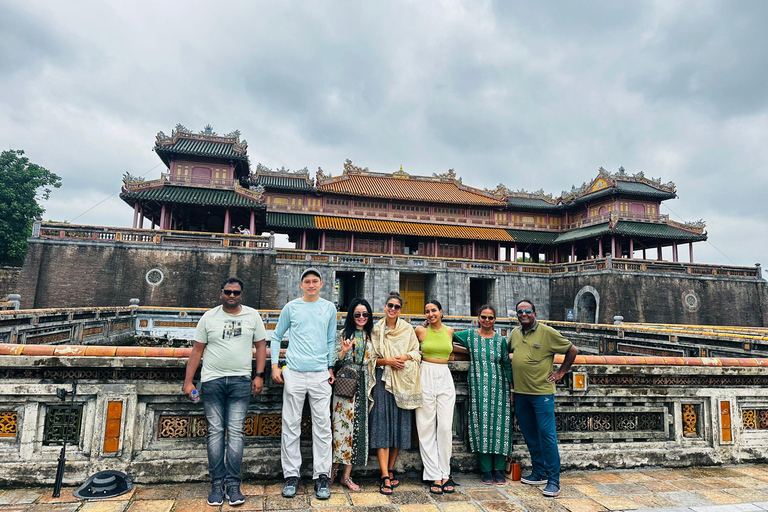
x=712, y=489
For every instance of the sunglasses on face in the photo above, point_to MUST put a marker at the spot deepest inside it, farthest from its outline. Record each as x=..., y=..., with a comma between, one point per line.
x=526, y=311
x=358, y=315
x=236, y=293
x=483, y=317
x=392, y=305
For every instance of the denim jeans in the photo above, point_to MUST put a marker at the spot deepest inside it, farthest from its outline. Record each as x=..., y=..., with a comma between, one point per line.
x=536, y=418
x=225, y=401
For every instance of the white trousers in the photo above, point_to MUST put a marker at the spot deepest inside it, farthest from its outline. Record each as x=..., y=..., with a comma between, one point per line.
x=297, y=386
x=434, y=420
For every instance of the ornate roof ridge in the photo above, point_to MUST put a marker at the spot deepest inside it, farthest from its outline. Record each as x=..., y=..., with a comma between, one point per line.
x=446, y=177
x=206, y=134
x=503, y=192
x=611, y=180
x=283, y=173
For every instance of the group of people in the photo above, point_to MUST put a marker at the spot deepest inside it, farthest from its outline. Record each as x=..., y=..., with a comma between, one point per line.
x=401, y=372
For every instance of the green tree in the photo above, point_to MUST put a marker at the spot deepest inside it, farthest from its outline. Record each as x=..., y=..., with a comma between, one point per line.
x=22, y=186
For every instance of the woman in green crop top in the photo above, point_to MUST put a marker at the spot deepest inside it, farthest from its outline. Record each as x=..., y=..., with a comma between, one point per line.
x=434, y=419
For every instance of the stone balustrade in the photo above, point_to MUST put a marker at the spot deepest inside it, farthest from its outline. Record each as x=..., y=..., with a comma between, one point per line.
x=129, y=415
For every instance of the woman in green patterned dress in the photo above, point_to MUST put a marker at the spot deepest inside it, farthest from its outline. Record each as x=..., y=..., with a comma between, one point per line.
x=350, y=426
x=490, y=380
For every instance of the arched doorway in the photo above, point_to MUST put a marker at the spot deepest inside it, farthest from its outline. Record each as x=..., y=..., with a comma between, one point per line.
x=586, y=305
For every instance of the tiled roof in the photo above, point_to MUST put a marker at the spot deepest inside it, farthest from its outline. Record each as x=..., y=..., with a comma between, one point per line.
x=283, y=182
x=290, y=220
x=634, y=229
x=424, y=190
x=530, y=203
x=630, y=188
x=412, y=228
x=191, y=195
x=523, y=236
x=196, y=147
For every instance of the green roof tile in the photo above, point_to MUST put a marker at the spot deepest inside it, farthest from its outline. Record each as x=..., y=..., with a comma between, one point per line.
x=214, y=149
x=283, y=182
x=633, y=229
x=626, y=188
x=523, y=236
x=192, y=195
x=290, y=220
x=530, y=203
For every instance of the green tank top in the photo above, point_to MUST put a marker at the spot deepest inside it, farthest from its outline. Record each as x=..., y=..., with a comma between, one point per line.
x=437, y=344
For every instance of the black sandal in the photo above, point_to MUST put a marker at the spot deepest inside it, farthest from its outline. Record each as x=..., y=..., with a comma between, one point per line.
x=384, y=487
x=449, y=483
x=436, y=488
x=393, y=479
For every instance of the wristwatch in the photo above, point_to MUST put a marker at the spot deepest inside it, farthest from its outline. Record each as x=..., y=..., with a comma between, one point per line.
x=258, y=374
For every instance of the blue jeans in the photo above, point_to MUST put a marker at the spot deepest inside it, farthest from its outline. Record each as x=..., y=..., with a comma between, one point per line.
x=536, y=418
x=225, y=401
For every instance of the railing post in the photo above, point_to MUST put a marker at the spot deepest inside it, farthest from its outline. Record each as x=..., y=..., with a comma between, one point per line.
x=15, y=299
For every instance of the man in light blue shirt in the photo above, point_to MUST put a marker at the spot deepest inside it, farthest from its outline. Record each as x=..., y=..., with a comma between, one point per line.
x=311, y=325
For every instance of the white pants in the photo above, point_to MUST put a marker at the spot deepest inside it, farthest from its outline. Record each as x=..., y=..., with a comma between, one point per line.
x=297, y=386
x=434, y=420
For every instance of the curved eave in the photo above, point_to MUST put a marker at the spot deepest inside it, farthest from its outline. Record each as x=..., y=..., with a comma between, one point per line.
x=192, y=195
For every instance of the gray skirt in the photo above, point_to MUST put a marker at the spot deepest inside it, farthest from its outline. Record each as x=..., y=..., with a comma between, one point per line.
x=390, y=426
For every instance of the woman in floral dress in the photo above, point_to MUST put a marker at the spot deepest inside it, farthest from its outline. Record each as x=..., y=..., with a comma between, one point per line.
x=350, y=427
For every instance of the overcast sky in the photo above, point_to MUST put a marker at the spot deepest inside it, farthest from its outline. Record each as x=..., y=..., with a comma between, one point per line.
x=530, y=94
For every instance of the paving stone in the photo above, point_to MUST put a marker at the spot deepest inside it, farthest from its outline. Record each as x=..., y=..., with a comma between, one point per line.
x=54, y=507
x=525, y=491
x=411, y=497
x=595, y=490
x=606, y=478
x=667, y=474
x=720, y=498
x=65, y=497
x=191, y=505
x=581, y=505
x=719, y=483
x=418, y=508
x=298, y=502
x=719, y=472
x=252, y=504
x=193, y=491
x=334, y=509
x=659, y=486
x=625, y=488
x=717, y=508
x=748, y=495
x=20, y=496
x=151, y=506
x=105, y=506
x=690, y=484
x=746, y=481
x=14, y=508
x=485, y=494
x=616, y=502
x=574, y=479
x=501, y=506
x=367, y=499
x=652, y=501
x=337, y=499
x=461, y=507
x=686, y=499
x=252, y=489
x=450, y=497
x=541, y=505
x=158, y=492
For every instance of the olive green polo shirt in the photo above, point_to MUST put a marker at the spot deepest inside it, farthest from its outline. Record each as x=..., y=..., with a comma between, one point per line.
x=534, y=354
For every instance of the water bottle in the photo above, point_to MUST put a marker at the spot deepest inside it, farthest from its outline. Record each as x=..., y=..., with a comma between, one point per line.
x=194, y=396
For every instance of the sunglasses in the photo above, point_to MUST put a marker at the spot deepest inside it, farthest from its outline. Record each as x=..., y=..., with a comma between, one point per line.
x=236, y=293
x=483, y=317
x=526, y=311
x=358, y=315
x=392, y=305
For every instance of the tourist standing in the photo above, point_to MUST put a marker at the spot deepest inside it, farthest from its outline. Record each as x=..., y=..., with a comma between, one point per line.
x=226, y=334
x=434, y=419
x=490, y=381
x=395, y=389
x=534, y=346
x=350, y=414
x=311, y=325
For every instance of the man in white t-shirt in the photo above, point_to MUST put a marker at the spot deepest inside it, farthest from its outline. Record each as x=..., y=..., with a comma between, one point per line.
x=227, y=334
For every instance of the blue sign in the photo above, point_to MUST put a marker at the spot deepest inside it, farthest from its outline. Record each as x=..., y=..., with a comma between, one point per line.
x=569, y=315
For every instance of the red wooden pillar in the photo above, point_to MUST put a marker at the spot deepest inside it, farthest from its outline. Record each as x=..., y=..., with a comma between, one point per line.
x=658, y=252
x=352, y=242
x=515, y=252
x=162, y=217
x=600, y=247
x=690, y=251
x=674, y=252
x=436, y=246
x=631, y=247
x=253, y=223
x=322, y=241
x=227, y=227
x=613, y=247
x=498, y=251
x=141, y=217
x=573, y=252
x=473, y=249
x=304, y=240
x=135, y=214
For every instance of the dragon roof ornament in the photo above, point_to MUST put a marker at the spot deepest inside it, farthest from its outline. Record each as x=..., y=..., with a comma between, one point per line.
x=206, y=134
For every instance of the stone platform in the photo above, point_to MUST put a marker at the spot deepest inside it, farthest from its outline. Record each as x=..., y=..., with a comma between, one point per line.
x=712, y=489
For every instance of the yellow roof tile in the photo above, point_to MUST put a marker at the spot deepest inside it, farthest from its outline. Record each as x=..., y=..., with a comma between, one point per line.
x=386, y=227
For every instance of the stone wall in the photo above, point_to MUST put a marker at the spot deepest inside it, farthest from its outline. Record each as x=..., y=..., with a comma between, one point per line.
x=664, y=298
x=9, y=279
x=611, y=412
x=62, y=273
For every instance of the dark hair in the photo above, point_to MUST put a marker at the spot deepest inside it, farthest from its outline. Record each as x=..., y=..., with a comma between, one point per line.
x=396, y=296
x=232, y=280
x=349, y=324
x=533, y=306
x=484, y=307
